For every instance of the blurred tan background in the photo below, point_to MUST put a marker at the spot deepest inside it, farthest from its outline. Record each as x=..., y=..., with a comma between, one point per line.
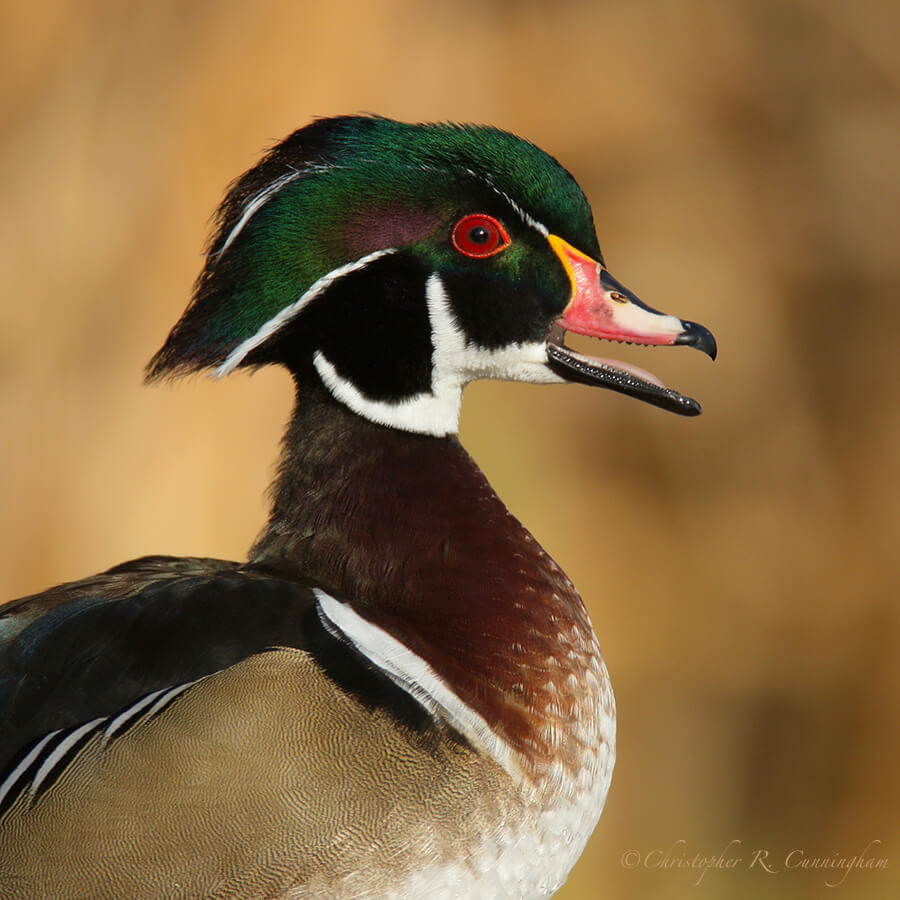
x=742, y=160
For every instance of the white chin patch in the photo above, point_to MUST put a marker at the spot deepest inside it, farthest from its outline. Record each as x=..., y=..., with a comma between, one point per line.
x=426, y=413
x=455, y=362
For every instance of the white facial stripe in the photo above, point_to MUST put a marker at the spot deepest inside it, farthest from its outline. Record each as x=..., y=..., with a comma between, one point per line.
x=412, y=673
x=457, y=361
x=454, y=363
x=255, y=203
x=527, y=219
x=261, y=197
x=277, y=322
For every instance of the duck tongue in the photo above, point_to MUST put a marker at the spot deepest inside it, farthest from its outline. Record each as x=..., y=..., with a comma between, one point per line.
x=617, y=376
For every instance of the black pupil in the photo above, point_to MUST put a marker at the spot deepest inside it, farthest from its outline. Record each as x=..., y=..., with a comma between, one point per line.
x=479, y=235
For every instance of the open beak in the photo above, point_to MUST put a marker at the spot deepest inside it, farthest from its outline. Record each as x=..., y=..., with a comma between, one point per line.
x=601, y=307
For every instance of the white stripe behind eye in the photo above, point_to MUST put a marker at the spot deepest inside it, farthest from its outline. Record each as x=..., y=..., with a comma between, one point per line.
x=278, y=321
x=527, y=219
x=413, y=674
x=530, y=221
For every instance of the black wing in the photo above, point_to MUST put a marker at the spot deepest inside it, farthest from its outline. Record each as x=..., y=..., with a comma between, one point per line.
x=91, y=648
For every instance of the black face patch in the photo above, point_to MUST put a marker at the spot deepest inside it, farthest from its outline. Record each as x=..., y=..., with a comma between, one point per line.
x=494, y=311
x=372, y=326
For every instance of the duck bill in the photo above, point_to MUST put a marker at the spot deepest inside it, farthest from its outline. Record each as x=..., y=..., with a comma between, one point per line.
x=601, y=307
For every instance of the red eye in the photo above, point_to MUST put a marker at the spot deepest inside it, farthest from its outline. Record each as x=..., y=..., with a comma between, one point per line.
x=479, y=236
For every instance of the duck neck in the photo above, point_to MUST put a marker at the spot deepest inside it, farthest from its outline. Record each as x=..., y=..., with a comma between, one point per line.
x=406, y=529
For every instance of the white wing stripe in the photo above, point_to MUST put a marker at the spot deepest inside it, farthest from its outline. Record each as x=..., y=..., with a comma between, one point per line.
x=59, y=751
x=130, y=713
x=168, y=696
x=24, y=765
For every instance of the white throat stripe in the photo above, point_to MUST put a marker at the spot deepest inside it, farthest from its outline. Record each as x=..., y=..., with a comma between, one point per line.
x=424, y=413
x=277, y=322
x=13, y=778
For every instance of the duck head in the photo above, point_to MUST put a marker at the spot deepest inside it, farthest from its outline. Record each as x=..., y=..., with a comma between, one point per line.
x=398, y=262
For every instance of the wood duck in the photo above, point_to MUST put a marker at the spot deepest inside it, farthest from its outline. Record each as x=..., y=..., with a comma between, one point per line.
x=400, y=694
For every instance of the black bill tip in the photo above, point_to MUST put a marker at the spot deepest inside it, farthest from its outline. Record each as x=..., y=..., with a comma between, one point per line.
x=695, y=335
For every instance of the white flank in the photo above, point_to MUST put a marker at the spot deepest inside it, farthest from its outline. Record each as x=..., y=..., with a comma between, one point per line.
x=59, y=751
x=277, y=322
x=413, y=674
